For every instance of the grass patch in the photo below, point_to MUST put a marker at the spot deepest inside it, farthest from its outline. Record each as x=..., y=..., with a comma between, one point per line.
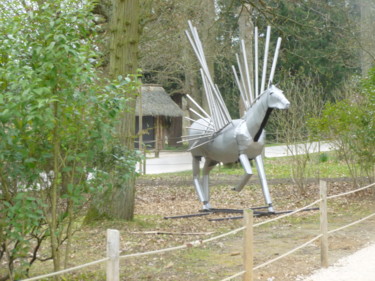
x=281, y=167
x=321, y=165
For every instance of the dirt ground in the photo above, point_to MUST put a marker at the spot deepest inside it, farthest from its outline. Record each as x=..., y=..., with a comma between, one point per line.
x=159, y=196
x=273, y=239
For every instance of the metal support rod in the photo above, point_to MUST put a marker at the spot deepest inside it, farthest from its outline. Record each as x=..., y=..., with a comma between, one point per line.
x=190, y=119
x=263, y=181
x=246, y=95
x=265, y=58
x=256, y=74
x=199, y=136
x=239, y=85
x=210, y=101
x=215, y=113
x=212, y=91
x=203, y=130
x=275, y=57
x=198, y=106
x=196, y=113
x=247, y=72
x=198, y=145
x=209, y=124
x=223, y=106
x=198, y=190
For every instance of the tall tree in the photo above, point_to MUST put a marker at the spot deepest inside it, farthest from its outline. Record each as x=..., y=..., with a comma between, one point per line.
x=124, y=41
x=367, y=31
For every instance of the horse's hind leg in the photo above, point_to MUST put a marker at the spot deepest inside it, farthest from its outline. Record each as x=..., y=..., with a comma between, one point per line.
x=263, y=182
x=196, y=178
x=208, y=165
x=248, y=172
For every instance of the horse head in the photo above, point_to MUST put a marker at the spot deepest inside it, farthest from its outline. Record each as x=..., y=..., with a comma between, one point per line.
x=276, y=98
x=257, y=115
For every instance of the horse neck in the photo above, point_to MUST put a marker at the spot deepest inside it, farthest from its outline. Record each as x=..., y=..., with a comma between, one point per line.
x=256, y=116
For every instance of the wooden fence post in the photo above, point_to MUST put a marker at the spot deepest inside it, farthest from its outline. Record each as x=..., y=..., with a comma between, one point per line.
x=113, y=253
x=323, y=225
x=248, y=259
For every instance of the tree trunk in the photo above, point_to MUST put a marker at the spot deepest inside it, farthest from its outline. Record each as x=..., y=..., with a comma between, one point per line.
x=53, y=195
x=367, y=28
x=125, y=33
x=124, y=37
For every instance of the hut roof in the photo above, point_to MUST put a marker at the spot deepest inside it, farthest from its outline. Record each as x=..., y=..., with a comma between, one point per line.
x=156, y=102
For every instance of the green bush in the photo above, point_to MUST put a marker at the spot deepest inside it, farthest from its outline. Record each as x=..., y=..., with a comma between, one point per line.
x=349, y=123
x=57, y=119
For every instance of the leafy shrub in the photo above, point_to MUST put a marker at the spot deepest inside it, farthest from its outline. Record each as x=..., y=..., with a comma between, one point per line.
x=57, y=117
x=349, y=123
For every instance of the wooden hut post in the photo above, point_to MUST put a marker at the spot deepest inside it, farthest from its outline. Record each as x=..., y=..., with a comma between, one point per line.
x=142, y=166
x=157, y=136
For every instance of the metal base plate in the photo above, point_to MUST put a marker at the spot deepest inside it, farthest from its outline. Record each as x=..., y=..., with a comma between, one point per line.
x=235, y=211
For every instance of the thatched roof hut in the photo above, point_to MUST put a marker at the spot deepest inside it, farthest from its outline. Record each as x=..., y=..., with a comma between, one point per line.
x=156, y=102
x=161, y=117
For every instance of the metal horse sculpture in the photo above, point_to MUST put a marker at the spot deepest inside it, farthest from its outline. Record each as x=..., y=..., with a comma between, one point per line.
x=217, y=137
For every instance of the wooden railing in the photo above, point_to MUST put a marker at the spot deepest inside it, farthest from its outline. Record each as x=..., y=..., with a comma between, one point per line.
x=113, y=242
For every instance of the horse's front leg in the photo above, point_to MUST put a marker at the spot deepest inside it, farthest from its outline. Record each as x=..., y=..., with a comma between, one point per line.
x=196, y=177
x=208, y=165
x=248, y=172
x=263, y=182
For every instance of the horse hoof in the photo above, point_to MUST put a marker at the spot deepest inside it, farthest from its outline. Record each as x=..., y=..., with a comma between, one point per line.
x=207, y=207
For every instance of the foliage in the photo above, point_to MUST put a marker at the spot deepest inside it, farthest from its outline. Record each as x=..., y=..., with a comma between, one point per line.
x=57, y=117
x=350, y=124
x=318, y=38
x=165, y=48
x=289, y=126
x=319, y=41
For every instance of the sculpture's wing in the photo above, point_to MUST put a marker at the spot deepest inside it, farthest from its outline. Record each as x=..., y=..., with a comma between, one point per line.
x=219, y=115
x=247, y=83
x=248, y=87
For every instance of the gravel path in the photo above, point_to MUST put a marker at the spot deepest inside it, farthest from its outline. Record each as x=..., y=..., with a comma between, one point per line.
x=359, y=266
x=170, y=162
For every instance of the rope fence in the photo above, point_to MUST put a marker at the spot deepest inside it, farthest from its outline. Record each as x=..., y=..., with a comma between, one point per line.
x=113, y=251
x=288, y=253
x=288, y=214
x=351, y=192
x=351, y=224
x=61, y=272
x=324, y=245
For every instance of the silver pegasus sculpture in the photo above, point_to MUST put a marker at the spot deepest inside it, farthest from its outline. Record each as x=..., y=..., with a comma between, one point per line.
x=216, y=137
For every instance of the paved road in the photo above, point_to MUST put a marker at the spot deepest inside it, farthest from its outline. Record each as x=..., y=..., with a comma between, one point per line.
x=170, y=162
x=359, y=266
